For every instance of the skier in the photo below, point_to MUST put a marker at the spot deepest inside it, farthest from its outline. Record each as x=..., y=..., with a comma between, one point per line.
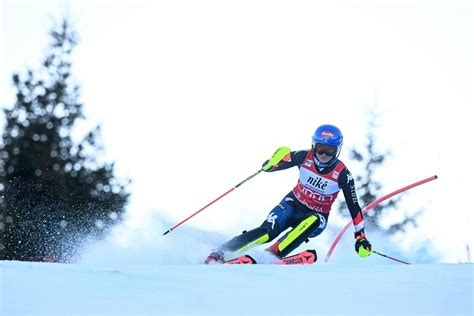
x=306, y=208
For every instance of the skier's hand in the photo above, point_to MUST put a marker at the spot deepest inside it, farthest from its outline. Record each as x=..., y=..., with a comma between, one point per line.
x=362, y=245
x=269, y=169
x=280, y=155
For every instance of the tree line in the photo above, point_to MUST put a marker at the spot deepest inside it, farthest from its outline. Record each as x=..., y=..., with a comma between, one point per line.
x=55, y=193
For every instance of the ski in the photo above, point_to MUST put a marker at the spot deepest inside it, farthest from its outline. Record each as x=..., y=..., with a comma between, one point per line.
x=305, y=257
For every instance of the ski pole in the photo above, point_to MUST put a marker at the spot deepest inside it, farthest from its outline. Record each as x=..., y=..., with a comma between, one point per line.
x=392, y=258
x=374, y=203
x=279, y=155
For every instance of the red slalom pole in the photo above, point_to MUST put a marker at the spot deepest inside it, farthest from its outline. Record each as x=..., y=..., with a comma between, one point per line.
x=374, y=203
x=282, y=153
x=392, y=258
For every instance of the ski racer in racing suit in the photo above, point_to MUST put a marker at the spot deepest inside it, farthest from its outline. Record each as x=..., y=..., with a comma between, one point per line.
x=306, y=208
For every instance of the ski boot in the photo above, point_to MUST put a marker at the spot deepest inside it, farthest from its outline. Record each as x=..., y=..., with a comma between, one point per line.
x=246, y=259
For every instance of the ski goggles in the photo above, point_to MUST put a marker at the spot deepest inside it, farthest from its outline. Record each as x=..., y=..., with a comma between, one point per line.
x=327, y=150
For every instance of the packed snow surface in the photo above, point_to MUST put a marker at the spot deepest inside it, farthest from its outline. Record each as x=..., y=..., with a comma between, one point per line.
x=193, y=289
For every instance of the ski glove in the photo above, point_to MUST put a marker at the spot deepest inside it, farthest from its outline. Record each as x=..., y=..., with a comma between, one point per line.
x=362, y=245
x=282, y=154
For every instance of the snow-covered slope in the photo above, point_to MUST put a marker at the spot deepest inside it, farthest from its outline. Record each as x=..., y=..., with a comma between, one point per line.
x=80, y=289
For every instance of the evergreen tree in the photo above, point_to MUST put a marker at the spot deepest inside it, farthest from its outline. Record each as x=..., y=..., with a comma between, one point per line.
x=55, y=192
x=369, y=188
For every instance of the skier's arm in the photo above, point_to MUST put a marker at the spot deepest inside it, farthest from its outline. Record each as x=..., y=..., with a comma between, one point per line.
x=295, y=158
x=346, y=182
x=347, y=185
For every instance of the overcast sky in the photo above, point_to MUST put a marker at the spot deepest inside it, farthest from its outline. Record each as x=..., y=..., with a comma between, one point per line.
x=216, y=86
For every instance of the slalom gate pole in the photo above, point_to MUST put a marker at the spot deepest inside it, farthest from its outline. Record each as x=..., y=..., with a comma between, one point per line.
x=279, y=155
x=374, y=203
x=392, y=258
